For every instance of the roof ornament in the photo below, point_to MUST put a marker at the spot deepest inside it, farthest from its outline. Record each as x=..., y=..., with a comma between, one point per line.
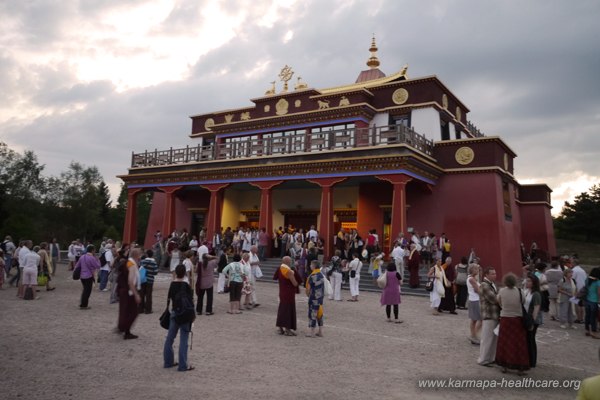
x=404, y=70
x=285, y=75
x=271, y=91
x=300, y=85
x=373, y=61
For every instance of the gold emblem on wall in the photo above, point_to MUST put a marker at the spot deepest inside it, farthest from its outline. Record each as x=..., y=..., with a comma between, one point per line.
x=344, y=101
x=323, y=104
x=298, y=103
x=245, y=116
x=458, y=113
x=400, y=96
x=267, y=108
x=445, y=101
x=282, y=107
x=464, y=155
x=209, y=123
x=228, y=118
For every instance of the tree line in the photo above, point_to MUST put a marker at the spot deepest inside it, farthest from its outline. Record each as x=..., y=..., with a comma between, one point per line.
x=580, y=220
x=75, y=204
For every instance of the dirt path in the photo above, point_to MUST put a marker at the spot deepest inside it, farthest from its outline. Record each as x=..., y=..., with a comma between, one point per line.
x=49, y=349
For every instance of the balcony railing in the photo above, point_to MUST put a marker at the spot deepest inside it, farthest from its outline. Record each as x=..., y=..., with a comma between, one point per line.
x=474, y=131
x=270, y=144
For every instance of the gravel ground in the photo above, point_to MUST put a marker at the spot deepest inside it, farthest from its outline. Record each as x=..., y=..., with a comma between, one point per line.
x=50, y=349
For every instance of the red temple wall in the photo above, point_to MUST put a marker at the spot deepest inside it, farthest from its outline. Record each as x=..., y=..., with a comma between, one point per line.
x=155, y=219
x=538, y=227
x=469, y=209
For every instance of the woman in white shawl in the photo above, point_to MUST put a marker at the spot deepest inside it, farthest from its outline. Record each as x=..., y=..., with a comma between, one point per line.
x=439, y=283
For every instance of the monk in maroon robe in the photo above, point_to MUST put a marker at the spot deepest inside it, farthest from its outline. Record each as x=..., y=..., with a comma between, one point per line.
x=447, y=303
x=414, y=259
x=288, y=287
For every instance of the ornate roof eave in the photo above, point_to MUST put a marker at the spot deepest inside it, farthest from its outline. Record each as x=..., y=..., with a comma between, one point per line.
x=351, y=110
x=484, y=139
x=367, y=84
x=537, y=184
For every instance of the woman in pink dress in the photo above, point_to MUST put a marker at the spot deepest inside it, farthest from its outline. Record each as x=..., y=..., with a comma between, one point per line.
x=390, y=296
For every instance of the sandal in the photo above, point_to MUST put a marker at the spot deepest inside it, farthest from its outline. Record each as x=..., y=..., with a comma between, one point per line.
x=189, y=368
x=173, y=365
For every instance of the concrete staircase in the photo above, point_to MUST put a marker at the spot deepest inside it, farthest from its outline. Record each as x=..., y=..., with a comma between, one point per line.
x=367, y=283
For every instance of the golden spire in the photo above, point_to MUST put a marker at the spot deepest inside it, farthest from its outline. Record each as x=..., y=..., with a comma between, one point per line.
x=373, y=61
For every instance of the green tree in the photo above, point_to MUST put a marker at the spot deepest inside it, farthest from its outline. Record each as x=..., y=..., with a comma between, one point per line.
x=83, y=201
x=582, y=217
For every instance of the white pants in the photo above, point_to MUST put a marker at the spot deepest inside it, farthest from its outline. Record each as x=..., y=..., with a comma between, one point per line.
x=221, y=283
x=487, y=346
x=253, y=282
x=399, y=266
x=336, y=284
x=354, y=286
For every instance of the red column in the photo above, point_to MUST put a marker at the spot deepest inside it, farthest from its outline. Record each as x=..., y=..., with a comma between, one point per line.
x=130, y=228
x=266, y=206
x=169, y=218
x=213, y=221
x=326, y=219
x=398, y=202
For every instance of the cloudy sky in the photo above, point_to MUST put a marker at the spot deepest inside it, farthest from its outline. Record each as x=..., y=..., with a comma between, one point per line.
x=94, y=80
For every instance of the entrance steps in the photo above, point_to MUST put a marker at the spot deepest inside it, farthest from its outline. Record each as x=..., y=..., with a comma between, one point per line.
x=366, y=284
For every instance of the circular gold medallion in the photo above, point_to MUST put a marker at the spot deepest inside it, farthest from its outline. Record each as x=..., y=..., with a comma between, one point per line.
x=445, y=101
x=281, y=107
x=298, y=103
x=267, y=108
x=209, y=123
x=400, y=96
x=458, y=113
x=464, y=155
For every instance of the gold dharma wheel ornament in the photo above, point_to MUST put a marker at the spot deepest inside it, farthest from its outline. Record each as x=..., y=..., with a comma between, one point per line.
x=400, y=96
x=464, y=155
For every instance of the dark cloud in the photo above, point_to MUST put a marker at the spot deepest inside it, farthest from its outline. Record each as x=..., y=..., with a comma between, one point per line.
x=527, y=71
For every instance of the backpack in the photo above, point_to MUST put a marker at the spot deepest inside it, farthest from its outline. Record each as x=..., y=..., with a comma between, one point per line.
x=103, y=258
x=183, y=306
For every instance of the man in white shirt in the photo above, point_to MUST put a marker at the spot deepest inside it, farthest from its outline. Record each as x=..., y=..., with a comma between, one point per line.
x=398, y=256
x=23, y=251
x=31, y=262
x=254, y=262
x=579, y=276
x=202, y=250
x=312, y=234
x=354, y=267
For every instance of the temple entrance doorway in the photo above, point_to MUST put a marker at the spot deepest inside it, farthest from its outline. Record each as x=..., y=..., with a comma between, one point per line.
x=300, y=218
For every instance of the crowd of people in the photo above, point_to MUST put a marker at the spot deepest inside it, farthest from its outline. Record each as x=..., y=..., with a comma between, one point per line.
x=503, y=321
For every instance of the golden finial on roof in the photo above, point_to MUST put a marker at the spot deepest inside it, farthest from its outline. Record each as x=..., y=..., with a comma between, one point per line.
x=300, y=84
x=373, y=61
x=404, y=70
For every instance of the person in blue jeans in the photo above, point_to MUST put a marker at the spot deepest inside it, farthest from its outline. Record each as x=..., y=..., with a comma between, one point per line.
x=184, y=329
x=591, y=303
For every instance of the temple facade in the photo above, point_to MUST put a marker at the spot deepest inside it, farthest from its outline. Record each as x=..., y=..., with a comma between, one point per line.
x=388, y=152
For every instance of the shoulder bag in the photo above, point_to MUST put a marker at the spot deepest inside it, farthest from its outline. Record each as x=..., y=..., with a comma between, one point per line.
x=165, y=318
x=382, y=280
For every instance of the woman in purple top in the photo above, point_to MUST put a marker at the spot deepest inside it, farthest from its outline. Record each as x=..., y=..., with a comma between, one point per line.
x=390, y=296
x=89, y=264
